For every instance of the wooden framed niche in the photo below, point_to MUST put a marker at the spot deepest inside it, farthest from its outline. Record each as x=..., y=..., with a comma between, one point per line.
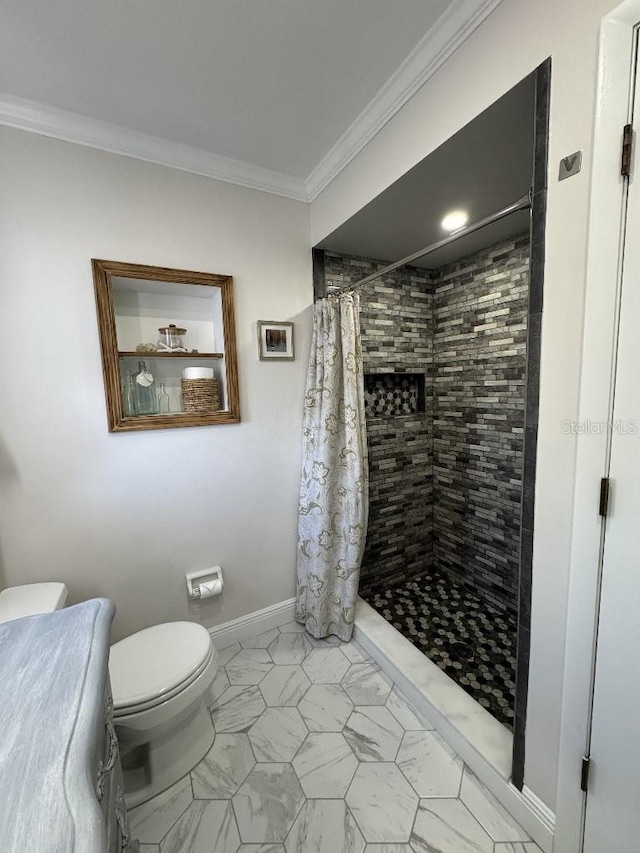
x=134, y=302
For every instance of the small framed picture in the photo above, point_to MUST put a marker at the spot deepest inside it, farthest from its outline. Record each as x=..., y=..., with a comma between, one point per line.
x=275, y=341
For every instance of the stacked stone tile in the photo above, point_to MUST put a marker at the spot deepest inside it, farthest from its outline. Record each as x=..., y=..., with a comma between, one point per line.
x=480, y=321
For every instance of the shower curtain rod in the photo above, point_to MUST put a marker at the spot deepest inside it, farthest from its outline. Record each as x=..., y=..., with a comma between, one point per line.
x=523, y=203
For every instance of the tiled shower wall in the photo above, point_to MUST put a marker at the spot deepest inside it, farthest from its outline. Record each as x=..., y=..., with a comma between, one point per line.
x=445, y=485
x=480, y=333
x=397, y=337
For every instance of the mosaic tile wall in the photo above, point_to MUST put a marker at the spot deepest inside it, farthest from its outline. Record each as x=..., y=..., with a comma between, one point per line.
x=446, y=484
x=480, y=317
x=397, y=337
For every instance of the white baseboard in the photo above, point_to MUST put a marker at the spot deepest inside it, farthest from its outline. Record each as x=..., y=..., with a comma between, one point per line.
x=482, y=743
x=544, y=814
x=252, y=624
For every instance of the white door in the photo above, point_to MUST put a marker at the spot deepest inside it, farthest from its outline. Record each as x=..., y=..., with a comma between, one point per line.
x=613, y=799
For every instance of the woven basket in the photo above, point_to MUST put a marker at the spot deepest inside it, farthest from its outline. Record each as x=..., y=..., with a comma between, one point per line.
x=200, y=395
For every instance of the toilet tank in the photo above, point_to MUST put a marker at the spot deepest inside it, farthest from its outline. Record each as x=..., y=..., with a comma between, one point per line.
x=31, y=599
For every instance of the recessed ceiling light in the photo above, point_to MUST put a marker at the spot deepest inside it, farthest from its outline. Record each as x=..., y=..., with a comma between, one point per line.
x=454, y=220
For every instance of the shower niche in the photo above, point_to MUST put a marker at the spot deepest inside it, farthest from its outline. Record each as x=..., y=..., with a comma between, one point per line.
x=393, y=395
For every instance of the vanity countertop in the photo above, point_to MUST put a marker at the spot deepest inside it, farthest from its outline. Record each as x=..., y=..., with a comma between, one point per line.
x=52, y=682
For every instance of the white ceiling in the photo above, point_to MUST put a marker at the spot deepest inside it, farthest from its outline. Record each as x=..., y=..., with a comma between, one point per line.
x=273, y=84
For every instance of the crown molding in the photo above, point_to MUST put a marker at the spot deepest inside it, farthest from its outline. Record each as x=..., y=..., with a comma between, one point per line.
x=72, y=127
x=451, y=30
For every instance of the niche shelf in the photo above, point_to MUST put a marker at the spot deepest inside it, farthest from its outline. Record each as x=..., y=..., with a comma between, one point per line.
x=392, y=395
x=133, y=302
x=150, y=355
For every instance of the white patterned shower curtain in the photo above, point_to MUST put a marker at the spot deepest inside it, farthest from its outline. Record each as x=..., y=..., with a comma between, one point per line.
x=334, y=492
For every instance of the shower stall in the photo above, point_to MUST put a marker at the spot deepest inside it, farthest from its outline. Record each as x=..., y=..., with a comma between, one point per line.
x=450, y=341
x=444, y=358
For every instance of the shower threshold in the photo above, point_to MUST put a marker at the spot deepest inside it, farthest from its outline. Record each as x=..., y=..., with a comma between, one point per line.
x=468, y=639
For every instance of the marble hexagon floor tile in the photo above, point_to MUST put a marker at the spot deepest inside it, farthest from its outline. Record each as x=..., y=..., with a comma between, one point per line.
x=237, y=709
x=325, y=765
x=290, y=649
x=293, y=628
x=366, y=684
x=322, y=643
x=224, y=768
x=383, y=803
x=268, y=803
x=307, y=793
x=494, y=819
x=448, y=827
x=431, y=767
x=405, y=713
x=220, y=683
x=373, y=734
x=324, y=826
x=249, y=666
x=325, y=708
x=326, y=666
x=353, y=652
x=225, y=655
x=284, y=685
x=205, y=826
x=151, y=821
x=277, y=734
x=261, y=641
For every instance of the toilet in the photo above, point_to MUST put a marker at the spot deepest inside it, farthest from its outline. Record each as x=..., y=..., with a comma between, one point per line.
x=31, y=599
x=160, y=682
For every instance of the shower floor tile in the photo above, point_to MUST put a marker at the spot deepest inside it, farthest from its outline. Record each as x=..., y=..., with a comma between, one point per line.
x=474, y=643
x=320, y=769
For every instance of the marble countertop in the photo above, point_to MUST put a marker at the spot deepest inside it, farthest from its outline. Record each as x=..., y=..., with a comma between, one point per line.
x=52, y=671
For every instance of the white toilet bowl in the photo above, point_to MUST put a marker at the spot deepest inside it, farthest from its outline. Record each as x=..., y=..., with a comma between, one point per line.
x=160, y=679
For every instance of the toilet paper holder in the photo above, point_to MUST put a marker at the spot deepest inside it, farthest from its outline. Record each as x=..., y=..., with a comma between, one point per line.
x=204, y=584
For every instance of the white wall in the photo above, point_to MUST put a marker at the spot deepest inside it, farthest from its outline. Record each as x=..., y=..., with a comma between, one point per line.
x=125, y=515
x=516, y=38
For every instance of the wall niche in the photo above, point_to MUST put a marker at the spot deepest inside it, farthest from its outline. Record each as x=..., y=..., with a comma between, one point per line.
x=392, y=395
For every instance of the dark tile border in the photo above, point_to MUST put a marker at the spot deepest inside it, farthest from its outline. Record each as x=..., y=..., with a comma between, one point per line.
x=534, y=327
x=319, y=284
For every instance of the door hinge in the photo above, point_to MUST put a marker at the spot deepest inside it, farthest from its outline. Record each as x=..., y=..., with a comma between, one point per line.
x=603, y=508
x=584, y=773
x=627, y=150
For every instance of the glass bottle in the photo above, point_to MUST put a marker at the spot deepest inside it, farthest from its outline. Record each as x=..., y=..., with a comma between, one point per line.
x=163, y=401
x=129, y=396
x=146, y=400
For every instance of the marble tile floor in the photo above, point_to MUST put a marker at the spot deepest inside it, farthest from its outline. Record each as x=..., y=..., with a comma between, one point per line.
x=316, y=751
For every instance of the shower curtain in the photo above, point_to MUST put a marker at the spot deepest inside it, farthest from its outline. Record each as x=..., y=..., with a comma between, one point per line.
x=332, y=517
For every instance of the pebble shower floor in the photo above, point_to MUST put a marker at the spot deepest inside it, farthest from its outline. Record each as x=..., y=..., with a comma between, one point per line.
x=474, y=643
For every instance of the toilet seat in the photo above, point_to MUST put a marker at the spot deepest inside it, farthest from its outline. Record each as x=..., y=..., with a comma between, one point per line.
x=155, y=664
